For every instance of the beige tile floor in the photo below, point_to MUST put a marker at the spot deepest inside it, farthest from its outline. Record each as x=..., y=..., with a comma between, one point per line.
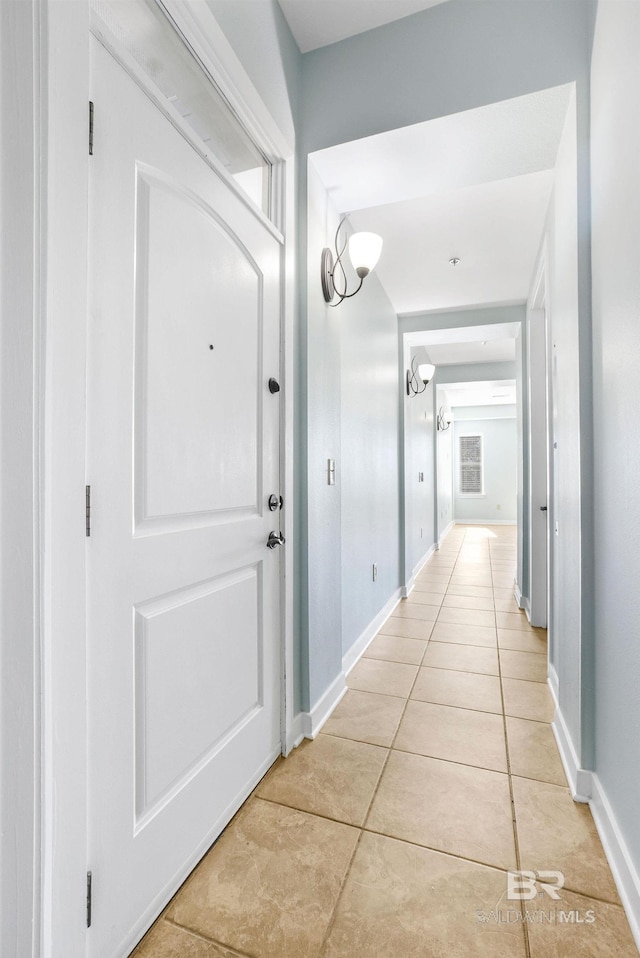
x=391, y=834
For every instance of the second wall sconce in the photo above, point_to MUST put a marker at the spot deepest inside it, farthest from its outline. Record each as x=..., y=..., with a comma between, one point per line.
x=419, y=378
x=442, y=422
x=364, y=253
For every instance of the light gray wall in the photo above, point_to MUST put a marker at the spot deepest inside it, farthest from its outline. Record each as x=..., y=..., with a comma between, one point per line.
x=369, y=443
x=419, y=460
x=444, y=471
x=497, y=411
x=500, y=449
x=476, y=372
x=452, y=57
x=351, y=416
x=322, y=612
x=262, y=41
x=457, y=318
x=616, y=294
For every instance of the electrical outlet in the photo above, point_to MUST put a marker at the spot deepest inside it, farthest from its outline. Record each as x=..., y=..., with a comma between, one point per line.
x=375, y=571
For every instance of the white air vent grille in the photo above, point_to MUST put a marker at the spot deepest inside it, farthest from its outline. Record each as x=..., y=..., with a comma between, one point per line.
x=470, y=479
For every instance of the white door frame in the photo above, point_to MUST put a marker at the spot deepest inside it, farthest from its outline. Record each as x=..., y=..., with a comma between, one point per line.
x=540, y=488
x=64, y=69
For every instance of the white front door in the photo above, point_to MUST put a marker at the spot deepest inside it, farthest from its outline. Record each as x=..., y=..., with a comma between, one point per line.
x=183, y=593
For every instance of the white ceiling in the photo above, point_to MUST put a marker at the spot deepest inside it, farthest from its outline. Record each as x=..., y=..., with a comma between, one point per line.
x=493, y=229
x=317, y=23
x=468, y=344
x=475, y=185
x=494, y=142
x=453, y=354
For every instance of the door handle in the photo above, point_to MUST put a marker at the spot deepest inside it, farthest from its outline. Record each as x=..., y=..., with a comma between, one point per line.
x=543, y=508
x=275, y=539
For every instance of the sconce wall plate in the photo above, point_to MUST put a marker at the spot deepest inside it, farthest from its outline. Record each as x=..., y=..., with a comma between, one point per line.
x=326, y=274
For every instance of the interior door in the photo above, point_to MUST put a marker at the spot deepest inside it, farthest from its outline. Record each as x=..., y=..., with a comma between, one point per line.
x=183, y=609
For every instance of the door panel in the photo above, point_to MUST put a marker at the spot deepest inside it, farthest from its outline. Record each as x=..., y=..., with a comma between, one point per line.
x=183, y=612
x=171, y=634
x=211, y=466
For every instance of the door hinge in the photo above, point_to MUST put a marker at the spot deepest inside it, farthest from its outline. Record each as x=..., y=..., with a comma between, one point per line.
x=88, y=899
x=90, y=127
x=87, y=510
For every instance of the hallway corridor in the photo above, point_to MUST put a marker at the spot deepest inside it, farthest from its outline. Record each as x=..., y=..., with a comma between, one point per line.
x=392, y=834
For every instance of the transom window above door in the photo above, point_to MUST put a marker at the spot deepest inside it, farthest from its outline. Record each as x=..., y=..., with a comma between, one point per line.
x=145, y=31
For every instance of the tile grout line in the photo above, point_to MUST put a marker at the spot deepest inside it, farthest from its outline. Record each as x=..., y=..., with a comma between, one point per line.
x=527, y=944
x=362, y=828
x=438, y=851
x=334, y=911
x=210, y=941
x=449, y=668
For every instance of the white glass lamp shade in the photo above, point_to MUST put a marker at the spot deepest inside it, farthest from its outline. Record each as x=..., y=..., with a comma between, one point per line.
x=426, y=371
x=364, y=252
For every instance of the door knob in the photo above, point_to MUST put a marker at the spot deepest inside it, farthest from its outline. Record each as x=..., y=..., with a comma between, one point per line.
x=543, y=508
x=275, y=539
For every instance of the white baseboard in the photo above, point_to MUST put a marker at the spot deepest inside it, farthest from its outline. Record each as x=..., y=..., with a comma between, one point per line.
x=295, y=734
x=313, y=721
x=624, y=872
x=423, y=561
x=522, y=600
x=410, y=584
x=359, y=646
x=408, y=588
x=445, y=534
x=580, y=779
x=308, y=724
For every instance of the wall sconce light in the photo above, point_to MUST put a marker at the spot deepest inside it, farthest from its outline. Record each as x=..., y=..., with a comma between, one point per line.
x=364, y=253
x=442, y=424
x=418, y=379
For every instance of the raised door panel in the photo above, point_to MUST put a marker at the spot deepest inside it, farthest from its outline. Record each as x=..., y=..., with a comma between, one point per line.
x=198, y=417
